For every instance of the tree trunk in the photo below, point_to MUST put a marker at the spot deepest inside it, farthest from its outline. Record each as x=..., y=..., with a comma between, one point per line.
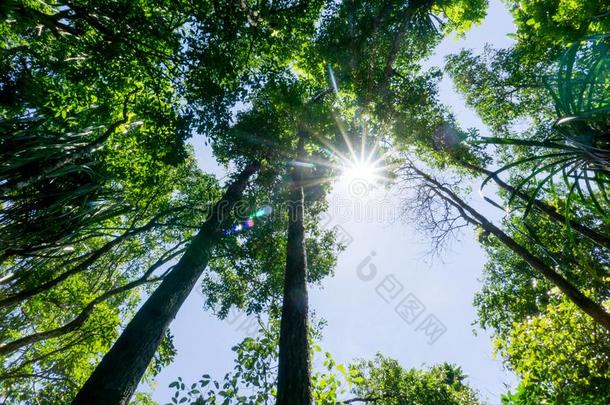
x=587, y=305
x=541, y=206
x=117, y=376
x=294, y=363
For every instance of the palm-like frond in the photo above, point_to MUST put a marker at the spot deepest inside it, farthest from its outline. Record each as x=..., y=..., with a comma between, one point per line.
x=50, y=182
x=576, y=149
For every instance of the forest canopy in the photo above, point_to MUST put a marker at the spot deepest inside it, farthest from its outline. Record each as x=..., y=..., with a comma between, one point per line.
x=110, y=216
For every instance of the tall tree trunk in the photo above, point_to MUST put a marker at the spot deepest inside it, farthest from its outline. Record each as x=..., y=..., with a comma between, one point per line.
x=294, y=363
x=117, y=376
x=586, y=304
x=543, y=207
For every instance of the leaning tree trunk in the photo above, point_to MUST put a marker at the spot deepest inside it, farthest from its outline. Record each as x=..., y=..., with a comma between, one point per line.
x=586, y=304
x=294, y=363
x=542, y=206
x=117, y=376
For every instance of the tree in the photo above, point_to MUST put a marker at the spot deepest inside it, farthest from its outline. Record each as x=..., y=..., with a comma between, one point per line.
x=544, y=27
x=400, y=32
x=525, y=184
x=60, y=332
x=552, y=197
x=381, y=380
x=253, y=79
x=384, y=381
x=575, y=224
x=582, y=262
x=565, y=142
x=430, y=188
x=99, y=97
x=81, y=87
x=139, y=40
x=139, y=341
x=500, y=87
x=91, y=140
x=294, y=363
x=520, y=307
x=560, y=356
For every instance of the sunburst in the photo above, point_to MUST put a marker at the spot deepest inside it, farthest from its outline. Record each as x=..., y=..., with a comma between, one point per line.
x=364, y=163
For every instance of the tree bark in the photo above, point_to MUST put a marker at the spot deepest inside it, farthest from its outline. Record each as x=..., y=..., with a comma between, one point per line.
x=117, y=376
x=543, y=207
x=586, y=304
x=294, y=363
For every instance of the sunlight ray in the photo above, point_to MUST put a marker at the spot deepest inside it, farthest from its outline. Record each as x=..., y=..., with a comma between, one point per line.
x=346, y=139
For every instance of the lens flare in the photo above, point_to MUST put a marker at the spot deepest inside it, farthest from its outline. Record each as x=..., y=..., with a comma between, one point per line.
x=364, y=171
x=249, y=223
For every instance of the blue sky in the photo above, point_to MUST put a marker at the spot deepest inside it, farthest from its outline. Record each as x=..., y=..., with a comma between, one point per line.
x=360, y=321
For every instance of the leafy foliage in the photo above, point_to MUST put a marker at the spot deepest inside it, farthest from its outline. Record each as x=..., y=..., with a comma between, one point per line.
x=381, y=380
x=76, y=301
x=560, y=355
x=544, y=27
x=99, y=192
x=74, y=98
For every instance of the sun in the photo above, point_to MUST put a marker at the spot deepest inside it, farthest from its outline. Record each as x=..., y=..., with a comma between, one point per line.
x=365, y=171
